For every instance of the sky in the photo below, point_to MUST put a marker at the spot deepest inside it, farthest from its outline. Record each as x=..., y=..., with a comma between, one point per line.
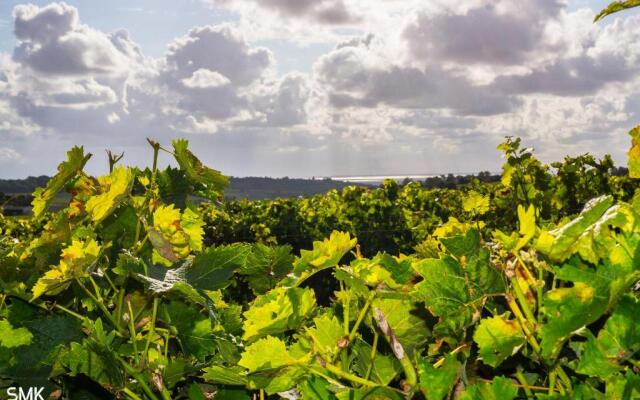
x=304, y=88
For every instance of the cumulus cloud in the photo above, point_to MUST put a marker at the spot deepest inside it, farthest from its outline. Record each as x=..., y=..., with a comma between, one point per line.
x=322, y=11
x=404, y=86
x=52, y=41
x=355, y=78
x=496, y=32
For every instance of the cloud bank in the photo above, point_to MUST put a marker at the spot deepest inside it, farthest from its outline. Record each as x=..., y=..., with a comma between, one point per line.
x=405, y=88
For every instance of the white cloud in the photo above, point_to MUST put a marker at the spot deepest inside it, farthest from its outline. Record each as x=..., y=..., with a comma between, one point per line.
x=8, y=154
x=204, y=78
x=408, y=87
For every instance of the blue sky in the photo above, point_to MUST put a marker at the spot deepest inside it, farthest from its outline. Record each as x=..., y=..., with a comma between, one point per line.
x=315, y=87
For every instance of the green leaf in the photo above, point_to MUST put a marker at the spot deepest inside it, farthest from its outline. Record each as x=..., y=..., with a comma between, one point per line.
x=620, y=336
x=315, y=388
x=264, y=354
x=278, y=311
x=593, y=361
x=233, y=376
x=464, y=245
x=11, y=337
x=83, y=360
x=615, y=7
x=436, y=383
x=207, y=271
x=75, y=262
x=569, y=309
x=325, y=254
x=266, y=266
x=499, y=389
x=194, y=329
x=384, y=369
x=402, y=317
x=67, y=170
x=497, y=339
x=210, y=179
x=455, y=292
x=594, y=292
x=588, y=234
x=32, y=363
x=114, y=189
x=325, y=335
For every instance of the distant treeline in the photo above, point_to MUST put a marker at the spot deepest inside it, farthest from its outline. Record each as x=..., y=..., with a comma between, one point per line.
x=17, y=192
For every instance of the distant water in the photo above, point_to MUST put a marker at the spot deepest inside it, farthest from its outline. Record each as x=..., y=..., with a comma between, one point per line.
x=377, y=179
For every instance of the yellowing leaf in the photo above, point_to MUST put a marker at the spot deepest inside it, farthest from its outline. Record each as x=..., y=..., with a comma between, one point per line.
x=75, y=261
x=174, y=235
x=527, y=225
x=326, y=253
x=11, y=337
x=634, y=153
x=76, y=159
x=615, y=7
x=497, y=339
x=267, y=353
x=476, y=203
x=277, y=311
x=114, y=188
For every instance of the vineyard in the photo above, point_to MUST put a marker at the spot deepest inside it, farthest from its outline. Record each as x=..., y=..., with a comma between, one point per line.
x=524, y=288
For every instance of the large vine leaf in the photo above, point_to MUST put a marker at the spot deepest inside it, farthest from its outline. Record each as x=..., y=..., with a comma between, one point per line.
x=75, y=262
x=569, y=309
x=497, y=339
x=208, y=271
x=277, y=311
x=76, y=159
x=456, y=289
x=588, y=234
x=616, y=342
x=114, y=188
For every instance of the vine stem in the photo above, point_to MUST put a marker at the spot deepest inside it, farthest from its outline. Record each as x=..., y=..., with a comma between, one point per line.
x=361, y=316
x=374, y=351
x=140, y=378
x=523, y=301
x=132, y=395
x=350, y=377
x=152, y=329
x=132, y=334
x=441, y=361
x=99, y=303
x=524, y=384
